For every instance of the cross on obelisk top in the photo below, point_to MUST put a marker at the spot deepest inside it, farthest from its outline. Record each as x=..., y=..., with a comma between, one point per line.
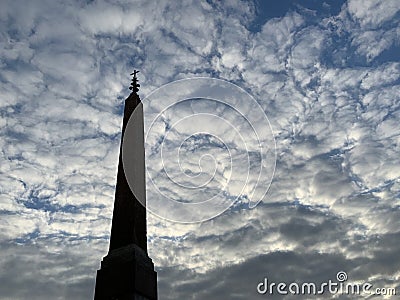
x=134, y=84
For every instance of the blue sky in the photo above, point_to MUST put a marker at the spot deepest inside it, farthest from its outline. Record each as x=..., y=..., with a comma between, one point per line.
x=325, y=73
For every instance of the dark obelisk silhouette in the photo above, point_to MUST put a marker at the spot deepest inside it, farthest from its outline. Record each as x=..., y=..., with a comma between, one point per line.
x=127, y=272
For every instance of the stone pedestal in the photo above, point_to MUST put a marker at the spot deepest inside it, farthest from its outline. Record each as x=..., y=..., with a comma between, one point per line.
x=126, y=273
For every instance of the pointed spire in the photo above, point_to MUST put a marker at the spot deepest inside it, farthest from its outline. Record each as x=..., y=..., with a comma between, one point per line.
x=134, y=84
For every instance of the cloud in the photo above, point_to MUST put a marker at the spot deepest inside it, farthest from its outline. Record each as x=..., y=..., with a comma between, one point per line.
x=373, y=13
x=329, y=85
x=49, y=268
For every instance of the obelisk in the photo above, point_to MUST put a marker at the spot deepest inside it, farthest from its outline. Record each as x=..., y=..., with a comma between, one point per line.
x=127, y=272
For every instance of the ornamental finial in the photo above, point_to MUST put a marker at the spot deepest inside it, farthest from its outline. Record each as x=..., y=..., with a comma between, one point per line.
x=134, y=84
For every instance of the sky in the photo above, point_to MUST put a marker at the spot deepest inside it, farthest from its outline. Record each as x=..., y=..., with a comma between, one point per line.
x=324, y=76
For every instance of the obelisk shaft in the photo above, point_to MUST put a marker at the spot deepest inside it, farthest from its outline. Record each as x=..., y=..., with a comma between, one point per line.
x=127, y=272
x=129, y=215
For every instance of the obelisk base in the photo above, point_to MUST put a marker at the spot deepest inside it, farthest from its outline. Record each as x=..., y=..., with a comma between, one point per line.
x=126, y=273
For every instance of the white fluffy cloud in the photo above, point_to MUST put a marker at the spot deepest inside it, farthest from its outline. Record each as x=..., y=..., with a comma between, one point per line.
x=329, y=86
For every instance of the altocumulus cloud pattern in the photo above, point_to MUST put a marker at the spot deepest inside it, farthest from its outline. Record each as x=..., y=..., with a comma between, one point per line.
x=210, y=147
x=325, y=73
